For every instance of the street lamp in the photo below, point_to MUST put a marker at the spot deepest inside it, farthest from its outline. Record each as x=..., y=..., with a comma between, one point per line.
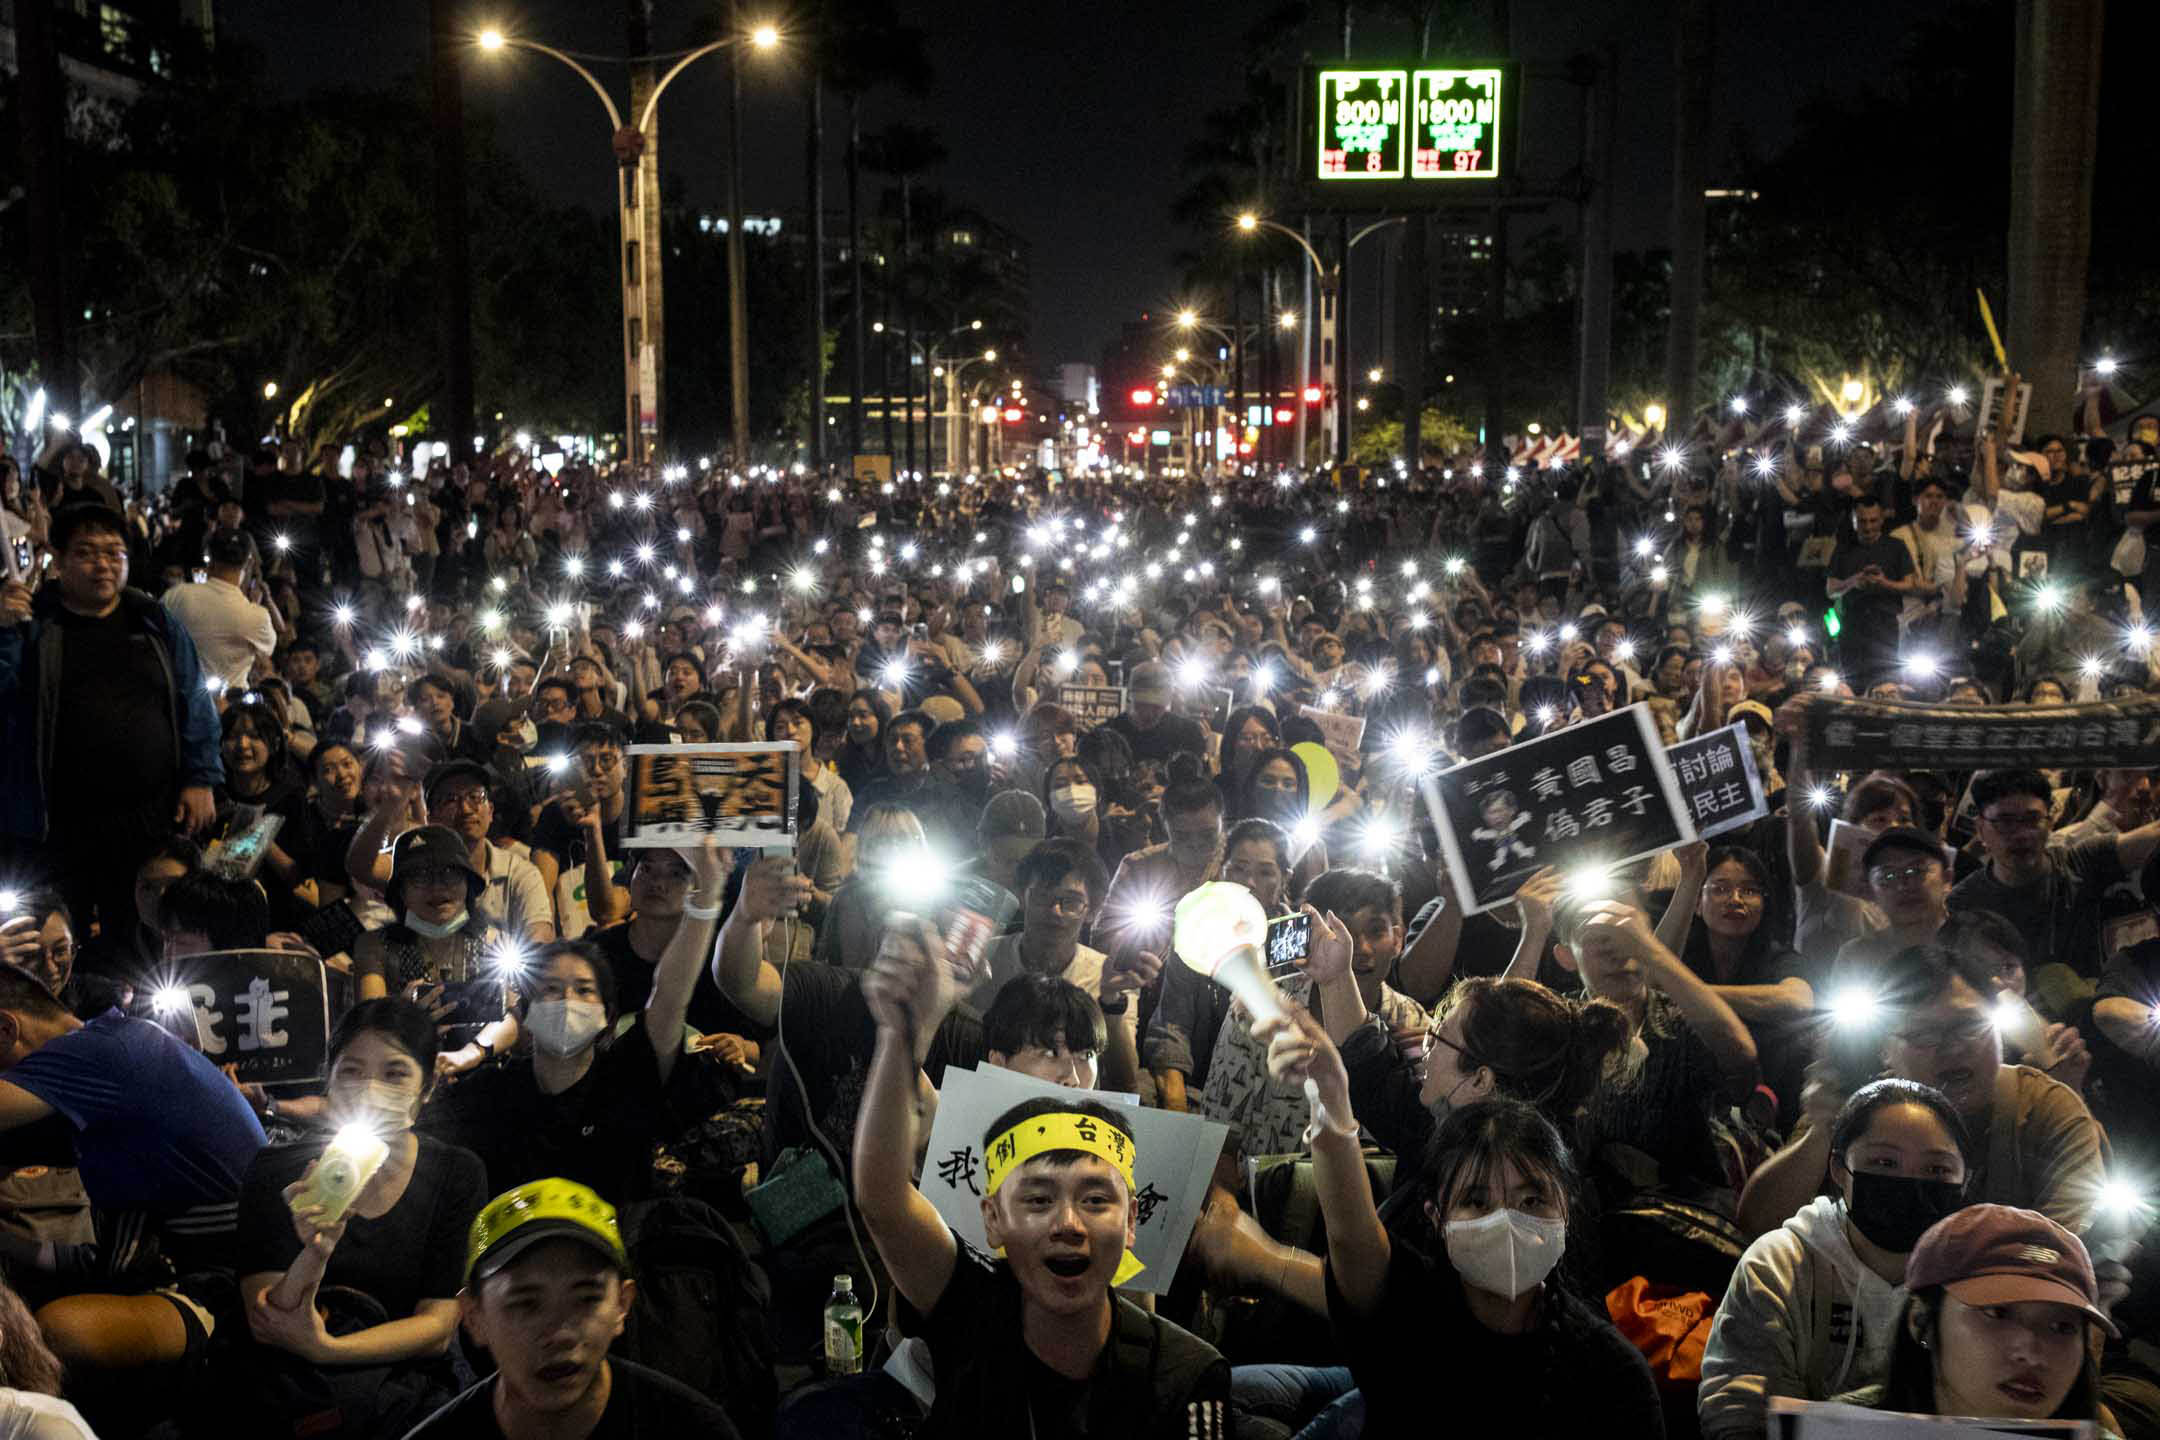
x=1335, y=422
x=638, y=263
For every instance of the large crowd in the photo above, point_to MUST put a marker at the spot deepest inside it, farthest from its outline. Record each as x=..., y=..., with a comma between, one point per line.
x=596, y=1125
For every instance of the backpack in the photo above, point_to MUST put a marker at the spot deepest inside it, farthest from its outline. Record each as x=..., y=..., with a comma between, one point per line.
x=702, y=1307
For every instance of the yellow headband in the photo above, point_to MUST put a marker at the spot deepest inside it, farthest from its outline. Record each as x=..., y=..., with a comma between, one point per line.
x=1064, y=1130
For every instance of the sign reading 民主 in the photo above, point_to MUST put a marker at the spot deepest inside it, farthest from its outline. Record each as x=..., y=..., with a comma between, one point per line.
x=1882, y=734
x=1600, y=792
x=1718, y=783
x=266, y=1013
x=737, y=794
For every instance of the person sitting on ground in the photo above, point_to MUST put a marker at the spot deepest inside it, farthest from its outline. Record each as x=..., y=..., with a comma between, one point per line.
x=547, y=1291
x=1899, y=1157
x=1037, y=1342
x=375, y=1348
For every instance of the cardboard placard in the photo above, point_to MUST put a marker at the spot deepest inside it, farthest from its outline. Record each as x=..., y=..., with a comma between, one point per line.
x=1342, y=734
x=1092, y=705
x=1718, y=782
x=1792, y=1419
x=741, y=795
x=1896, y=735
x=1175, y=1158
x=1600, y=792
x=1816, y=552
x=264, y=1012
x=1989, y=415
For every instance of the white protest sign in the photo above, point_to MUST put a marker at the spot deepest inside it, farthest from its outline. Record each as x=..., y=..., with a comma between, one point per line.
x=1175, y=1155
x=1340, y=733
x=1792, y=1419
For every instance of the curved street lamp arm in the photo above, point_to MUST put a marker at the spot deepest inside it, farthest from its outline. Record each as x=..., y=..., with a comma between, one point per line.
x=1303, y=244
x=677, y=68
x=614, y=115
x=1377, y=225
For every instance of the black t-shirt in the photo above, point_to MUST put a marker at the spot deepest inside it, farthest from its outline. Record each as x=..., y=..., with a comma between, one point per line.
x=1165, y=738
x=2058, y=915
x=1868, y=611
x=1571, y=1374
x=566, y=842
x=1152, y=1381
x=413, y=1253
x=711, y=1013
x=830, y=1034
x=112, y=743
x=641, y=1403
x=600, y=1132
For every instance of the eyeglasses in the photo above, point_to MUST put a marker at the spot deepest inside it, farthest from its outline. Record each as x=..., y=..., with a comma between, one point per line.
x=2018, y=820
x=464, y=799
x=1951, y=1037
x=1719, y=890
x=1882, y=877
x=98, y=554
x=1064, y=902
x=600, y=762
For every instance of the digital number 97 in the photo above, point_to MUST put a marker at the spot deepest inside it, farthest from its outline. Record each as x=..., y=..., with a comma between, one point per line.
x=1467, y=159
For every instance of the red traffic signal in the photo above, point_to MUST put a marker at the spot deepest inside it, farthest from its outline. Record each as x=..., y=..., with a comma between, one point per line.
x=1313, y=395
x=1142, y=397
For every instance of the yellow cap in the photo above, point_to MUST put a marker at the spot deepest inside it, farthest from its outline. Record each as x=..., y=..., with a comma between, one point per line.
x=516, y=1220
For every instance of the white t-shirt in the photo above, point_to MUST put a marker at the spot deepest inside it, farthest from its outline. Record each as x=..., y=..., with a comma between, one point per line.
x=27, y=1415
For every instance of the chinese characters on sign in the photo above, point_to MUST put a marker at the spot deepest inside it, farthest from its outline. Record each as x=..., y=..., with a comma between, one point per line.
x=738, y=794
x=1718, y=783
x=1870, y=734
x=1092, y=705
x=264, y=1012
x=1409, y=124
x=1599, y=791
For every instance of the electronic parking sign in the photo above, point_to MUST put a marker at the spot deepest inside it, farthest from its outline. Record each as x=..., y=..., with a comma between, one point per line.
x=1363, y=117
x=1398, y=136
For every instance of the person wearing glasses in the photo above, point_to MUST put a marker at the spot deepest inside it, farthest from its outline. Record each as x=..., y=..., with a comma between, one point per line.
x=582, y=826
x=2049, y=892
x=110, y=736
x=38, y=936
x=1909, y=876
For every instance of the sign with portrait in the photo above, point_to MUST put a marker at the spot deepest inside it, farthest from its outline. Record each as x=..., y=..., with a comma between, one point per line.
x=1717, y=778
x=1599, y=793
x=1173, y=1160
x=1896, y=735
x=266, y=1013
x=741, y=795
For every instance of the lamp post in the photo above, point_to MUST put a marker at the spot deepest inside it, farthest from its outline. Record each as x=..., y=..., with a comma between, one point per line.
x=1335, y=420
x=955, y=439
x=638, y=263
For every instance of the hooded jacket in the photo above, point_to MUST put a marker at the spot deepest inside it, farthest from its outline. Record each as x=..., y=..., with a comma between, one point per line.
x=30, y=655
x=1804, y=1317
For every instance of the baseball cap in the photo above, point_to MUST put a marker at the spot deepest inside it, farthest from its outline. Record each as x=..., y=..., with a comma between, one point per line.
x=1011, y=812
x=2000, y=1255
x=1150, y=683
x=1750, y=710
x=554, y=1209
x=1902, y=837
x=448, y=770
x=426, y=845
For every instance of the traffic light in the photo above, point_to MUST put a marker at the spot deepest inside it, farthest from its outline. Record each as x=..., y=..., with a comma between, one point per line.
x=1314, y=395
x=1142, y=396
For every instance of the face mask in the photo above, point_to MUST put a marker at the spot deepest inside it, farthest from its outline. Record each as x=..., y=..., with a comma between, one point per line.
x=525, y=734
x=1894, y=1212
x=564, y=1028
x=1506, y=1252
x=1282, y=806
x=973, y=779
x=1073, y=803
x=428, y=929
x=388, y=1108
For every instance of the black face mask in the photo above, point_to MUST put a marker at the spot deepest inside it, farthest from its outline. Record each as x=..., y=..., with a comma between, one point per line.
x=1281, y=806
x=1894, y=1212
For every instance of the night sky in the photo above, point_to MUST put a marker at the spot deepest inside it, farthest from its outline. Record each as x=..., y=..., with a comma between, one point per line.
x=1067, y=123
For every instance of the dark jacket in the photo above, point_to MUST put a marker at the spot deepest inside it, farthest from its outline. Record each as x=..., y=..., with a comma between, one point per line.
x=30, y=701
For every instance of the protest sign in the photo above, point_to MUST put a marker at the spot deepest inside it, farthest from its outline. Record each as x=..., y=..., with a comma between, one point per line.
x=1174, y=1157
x=1989, y=417
x=738, y=794
x=1817, y=551
x=2124, y=477
x=1092, y=705
x=1792, y=1419
x=1717, y=778
x=1898, y=735
x=264, y=1012
x=1342, y=734
x=1598, y=793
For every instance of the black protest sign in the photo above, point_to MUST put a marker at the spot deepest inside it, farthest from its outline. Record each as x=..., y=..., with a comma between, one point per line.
x=1092, y=705
x=1596, y=793
x=2124, y=478
x=1718, y=783
x=737, y=794
x=264, y=1012
x=1894, y=735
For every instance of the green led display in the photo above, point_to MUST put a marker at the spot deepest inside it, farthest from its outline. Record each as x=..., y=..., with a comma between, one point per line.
x=1409, y=124
x=1455, y=130
x=1362, y=124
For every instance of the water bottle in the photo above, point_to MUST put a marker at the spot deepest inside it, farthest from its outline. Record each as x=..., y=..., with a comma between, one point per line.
x=843, y=1328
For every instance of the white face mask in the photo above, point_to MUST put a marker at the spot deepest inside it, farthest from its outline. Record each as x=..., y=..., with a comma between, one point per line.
x=526, y=734
x=428, y=929
x=1506, y=1252
x=1073, y=802
x=388, y=1108
x=563, y=1028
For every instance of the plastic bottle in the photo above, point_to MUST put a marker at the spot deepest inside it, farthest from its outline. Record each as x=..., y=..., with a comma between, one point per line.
x=843, y=1328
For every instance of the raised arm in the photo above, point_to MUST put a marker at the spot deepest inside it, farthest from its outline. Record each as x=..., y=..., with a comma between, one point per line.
x=770, y=889
x=675, y=977
x=907, y=989
x=1672, y=927
x=1358, y=1248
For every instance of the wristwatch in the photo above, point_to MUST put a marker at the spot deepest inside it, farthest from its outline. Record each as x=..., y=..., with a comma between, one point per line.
x=1116, y=1007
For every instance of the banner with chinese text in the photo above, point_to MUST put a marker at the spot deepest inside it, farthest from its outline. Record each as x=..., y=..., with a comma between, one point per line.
x=1718, y=783
x=1895, y=735
x=738, y=794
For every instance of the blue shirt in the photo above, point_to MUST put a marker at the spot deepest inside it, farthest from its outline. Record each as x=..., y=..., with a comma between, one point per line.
x=158, y=1129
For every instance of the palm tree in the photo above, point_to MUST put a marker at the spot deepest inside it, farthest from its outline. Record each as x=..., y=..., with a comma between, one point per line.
x=903, y=152
x=2056, y=109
